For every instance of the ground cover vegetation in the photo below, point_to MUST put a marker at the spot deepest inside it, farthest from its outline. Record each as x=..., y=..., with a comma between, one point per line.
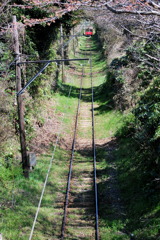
x=19, y=197
x=132, y=87
x=40, y=42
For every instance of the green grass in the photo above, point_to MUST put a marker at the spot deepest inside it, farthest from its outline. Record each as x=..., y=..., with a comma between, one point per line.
x=112, y=225
x=112, y=231
x=19, y=197
x=16, y=221
x=142, y=203
x=65, y=109
x=107, y=124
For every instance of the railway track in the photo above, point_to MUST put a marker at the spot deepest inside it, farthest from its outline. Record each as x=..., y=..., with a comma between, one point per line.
x=80, y=219
x=75, y=214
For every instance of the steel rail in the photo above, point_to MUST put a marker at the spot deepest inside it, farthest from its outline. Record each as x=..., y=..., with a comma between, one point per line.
x=94, y=158
x=71, y=162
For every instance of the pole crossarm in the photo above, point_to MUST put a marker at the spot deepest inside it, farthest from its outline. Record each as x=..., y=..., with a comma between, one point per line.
x=42, y=69
x=50, y=61
x=32, y=79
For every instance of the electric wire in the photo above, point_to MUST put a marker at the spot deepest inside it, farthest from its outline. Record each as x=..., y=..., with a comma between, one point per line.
x=73, y=146
x=47, y=175
x=42, y=69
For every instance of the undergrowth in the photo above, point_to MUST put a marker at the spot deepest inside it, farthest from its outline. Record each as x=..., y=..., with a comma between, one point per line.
x=19, y=204
x=139, y=191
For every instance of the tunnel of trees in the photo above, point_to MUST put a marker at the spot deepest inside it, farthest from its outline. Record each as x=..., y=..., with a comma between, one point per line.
x=128, y=37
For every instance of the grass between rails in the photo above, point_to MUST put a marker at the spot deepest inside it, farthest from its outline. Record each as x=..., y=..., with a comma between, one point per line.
x=67, y=107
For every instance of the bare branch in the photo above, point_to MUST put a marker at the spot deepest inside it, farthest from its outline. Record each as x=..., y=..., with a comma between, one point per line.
x=146, y=13
x=151, y=57
x=133, y=34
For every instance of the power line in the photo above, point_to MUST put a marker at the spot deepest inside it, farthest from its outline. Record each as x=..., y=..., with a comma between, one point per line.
x=47, y=175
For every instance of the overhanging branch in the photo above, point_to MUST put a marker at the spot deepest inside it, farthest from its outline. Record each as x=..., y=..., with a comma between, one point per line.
x=146, y=13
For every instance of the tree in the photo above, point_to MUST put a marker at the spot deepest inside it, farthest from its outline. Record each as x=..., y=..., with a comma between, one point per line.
x=57, y=8
x=144, y=14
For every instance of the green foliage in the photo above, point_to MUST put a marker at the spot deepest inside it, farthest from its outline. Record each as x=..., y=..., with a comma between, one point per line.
x=120, y=62
x=128, y=126
x=119, y=77
x=148, y=110
x=157, y=134
x=139, y=172
x=145, y=53
x=6, y=58
x=138, y=189
x=143, y=126
x=145, y=75
x=110, y=121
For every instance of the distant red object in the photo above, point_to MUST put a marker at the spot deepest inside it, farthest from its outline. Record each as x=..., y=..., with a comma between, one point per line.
x=88, y=32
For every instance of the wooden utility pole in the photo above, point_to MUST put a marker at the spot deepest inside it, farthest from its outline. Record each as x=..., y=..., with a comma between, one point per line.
x=19, y=101
x=73, y=43
x=62, y=51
